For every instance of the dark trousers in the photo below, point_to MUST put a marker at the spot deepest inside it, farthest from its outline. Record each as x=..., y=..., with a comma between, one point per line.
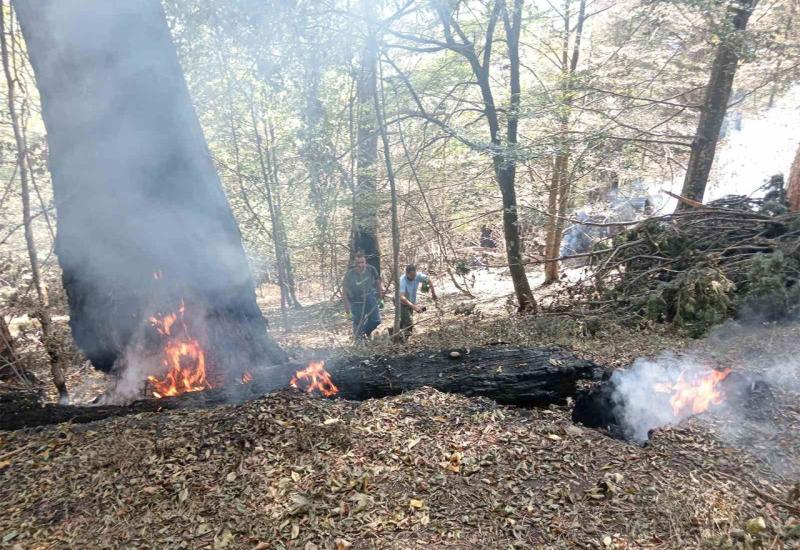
x=366, y=317
x=406, y=322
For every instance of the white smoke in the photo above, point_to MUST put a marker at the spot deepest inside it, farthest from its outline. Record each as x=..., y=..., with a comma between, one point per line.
x=642, y=392
x=766, y=355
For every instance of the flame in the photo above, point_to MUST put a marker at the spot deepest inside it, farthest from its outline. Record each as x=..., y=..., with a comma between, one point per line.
x=247, y=377
x=695, y=394
x=315, y=377
x=184, y=357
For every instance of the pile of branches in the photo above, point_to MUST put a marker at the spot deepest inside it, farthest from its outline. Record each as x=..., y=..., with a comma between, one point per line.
x=697, y=267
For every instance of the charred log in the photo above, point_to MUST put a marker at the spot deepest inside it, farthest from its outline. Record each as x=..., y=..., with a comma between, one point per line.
x=604, y=407
x=509, y=375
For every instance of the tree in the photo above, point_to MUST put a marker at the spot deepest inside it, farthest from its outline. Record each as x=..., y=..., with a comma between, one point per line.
x=502, y=146
x=561, y=182
x=793, y=185
x=387, y=158
x=365, y=198
x=715, y=102
x=42, y=312
x=8, y=355
x=136, y=191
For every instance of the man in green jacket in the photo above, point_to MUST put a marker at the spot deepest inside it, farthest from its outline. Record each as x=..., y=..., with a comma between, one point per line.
x=361, y=290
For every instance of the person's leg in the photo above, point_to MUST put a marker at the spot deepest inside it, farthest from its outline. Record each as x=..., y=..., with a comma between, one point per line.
x=358, y=320
x=406, y=322
x=372, y=315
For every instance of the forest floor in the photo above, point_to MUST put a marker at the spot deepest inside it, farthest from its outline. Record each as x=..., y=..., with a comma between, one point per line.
x=424, y=469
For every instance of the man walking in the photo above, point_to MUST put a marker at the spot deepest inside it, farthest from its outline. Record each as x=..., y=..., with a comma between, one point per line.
x=409, y=283
x=362, y=287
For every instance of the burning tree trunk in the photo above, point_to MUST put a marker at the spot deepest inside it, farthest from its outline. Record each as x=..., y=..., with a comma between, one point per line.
x=633, y=402
x=507, y=374
x=135, y=187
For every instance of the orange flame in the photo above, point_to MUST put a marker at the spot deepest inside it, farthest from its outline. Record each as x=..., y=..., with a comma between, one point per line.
x=315, y=377
x=184, y=357
x=247, y=377
x=695, y=394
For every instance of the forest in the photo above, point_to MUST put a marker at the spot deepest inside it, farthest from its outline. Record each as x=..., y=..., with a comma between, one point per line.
x=400, y=274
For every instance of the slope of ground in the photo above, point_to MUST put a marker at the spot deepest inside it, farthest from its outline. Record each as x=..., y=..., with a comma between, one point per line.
x=423, y=469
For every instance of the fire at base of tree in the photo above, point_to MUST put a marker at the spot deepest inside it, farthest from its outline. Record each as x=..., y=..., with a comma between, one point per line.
x=511, y=335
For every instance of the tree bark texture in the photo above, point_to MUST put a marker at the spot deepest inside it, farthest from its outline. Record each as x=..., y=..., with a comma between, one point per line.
x=505, y=165
x=8, y=355
x=509, y=375
x=793, y=186
x=560, y=194
x=135, y=187
x=715, y=103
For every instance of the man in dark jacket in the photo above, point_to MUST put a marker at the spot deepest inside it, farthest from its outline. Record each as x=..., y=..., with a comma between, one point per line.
x=361, y=290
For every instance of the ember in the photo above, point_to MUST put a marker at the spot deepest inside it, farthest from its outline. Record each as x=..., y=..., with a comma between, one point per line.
x=695, y=393
x=183, y=355
x=314, y=377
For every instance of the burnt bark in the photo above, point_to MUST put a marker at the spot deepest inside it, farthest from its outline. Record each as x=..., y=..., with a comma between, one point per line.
x=134, y=184
x=507, y=374
x=715, y=103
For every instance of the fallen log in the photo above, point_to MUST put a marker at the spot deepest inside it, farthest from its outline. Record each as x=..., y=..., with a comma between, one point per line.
x=509, y=375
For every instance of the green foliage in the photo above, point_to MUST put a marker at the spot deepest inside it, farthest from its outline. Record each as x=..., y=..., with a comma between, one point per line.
x=693, y=302
x=700, y=267
x=772, y=291
x=702, y=298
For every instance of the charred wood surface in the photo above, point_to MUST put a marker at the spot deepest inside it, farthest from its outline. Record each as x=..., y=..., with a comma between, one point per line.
x=603, y=407
x=509, y=375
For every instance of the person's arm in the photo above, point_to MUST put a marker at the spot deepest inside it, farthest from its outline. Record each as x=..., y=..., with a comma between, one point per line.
x=405, y=301
x=345, y=297
x=378, y=288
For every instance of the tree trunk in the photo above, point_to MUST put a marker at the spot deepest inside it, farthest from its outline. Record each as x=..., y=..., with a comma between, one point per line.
x=42, y=312
x=135, y=186
x=285, y=261
x=507, y=374
x=276, y=240
x=555, y=199
x=387, y=157
x=561, y=184
x=365, y=201
x=506, y=168
x=8, y=356
x=715, y=104
x=505, y=174
x=793, y=187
